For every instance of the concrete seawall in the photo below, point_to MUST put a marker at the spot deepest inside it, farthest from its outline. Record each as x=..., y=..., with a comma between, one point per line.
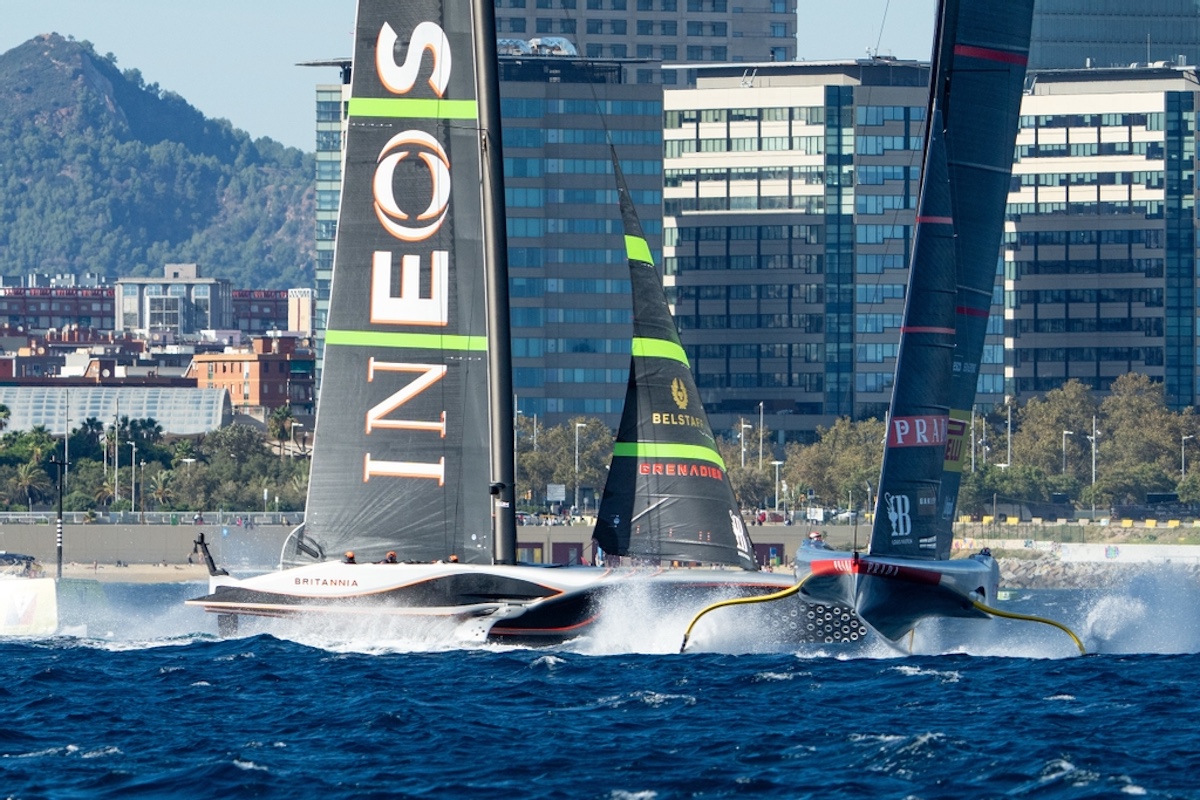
x=234, y=545
x=1046, y=564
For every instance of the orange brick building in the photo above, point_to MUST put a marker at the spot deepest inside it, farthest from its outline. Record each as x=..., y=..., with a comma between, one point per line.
x=275, y=371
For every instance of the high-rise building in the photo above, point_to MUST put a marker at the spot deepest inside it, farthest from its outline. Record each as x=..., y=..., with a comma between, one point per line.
x=789, y=201
x=331, y=115
x=670, y=31
x=1073, y=34
x=1100, y=273
x=569, y=277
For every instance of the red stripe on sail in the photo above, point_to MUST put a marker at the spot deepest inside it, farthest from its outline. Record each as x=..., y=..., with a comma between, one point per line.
x=967, y=311
x=989, y=54
x=936, y=220
x=915, y=329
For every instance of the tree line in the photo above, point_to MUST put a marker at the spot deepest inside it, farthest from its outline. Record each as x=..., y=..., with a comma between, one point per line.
x=1030, y=452
x=127, y=465
x=1025, y=453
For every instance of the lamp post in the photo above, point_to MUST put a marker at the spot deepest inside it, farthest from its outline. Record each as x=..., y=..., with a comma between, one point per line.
x=116, y=493
x=58, y=528
x=1064, y=448
x=1183, y=456
x=760, y=433
x=742, y=435
x=1095, y=435
x=142, y=479
x=294, y=426
x=777, y=465
x=133, y=477
x=578, y=425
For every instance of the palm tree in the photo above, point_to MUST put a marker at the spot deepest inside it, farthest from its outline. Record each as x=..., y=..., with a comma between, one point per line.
x=279, y=426
x=104, y=493
x=31, y=480
x=160, y=488
x=93, y=429
x=4, y=415
x=145, y=430
x=184, y=449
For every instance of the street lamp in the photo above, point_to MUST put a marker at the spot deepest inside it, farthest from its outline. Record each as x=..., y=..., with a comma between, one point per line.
x=777, y=465
x=58, y=529
x=294, y=426
x=1064, y=440
x=1095, y=435
x=142, y=478
x=133, y=477
x=578, y=425
x=742, y=435
x=1183, y=456
x=760, y=433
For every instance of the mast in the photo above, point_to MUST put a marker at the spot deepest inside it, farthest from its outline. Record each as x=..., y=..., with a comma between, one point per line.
x=500, y=393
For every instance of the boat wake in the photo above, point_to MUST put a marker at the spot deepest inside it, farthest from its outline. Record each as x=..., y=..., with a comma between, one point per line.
x=1156, y=611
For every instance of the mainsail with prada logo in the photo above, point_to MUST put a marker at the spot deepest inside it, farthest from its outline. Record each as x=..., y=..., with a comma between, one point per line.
x=975, y=100
x=403, y=459
x=667, y=497
x=907, y=574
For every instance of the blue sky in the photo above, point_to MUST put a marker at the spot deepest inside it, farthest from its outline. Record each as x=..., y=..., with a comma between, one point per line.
x=236, y=58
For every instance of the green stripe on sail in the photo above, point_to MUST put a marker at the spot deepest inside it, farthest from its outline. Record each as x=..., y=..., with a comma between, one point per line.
x=694, y=452
x=637, y=249
x=412, y=341
x=405, y=108
x=659, y=348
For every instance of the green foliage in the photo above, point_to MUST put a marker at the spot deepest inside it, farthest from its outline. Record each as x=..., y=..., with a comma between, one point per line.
x=117, y=177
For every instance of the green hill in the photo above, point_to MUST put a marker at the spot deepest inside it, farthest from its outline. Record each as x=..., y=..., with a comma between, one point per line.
x=100, y=172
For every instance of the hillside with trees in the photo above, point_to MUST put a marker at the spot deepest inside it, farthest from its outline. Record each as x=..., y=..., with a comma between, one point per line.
x=101, y=172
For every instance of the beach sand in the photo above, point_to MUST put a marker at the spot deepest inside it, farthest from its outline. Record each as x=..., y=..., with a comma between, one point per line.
x=134, y=573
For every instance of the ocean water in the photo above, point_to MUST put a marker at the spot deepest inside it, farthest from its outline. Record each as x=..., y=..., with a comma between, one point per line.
x=147, y=702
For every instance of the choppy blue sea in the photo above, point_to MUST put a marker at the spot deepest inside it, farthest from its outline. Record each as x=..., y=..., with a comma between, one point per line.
x=149, y=703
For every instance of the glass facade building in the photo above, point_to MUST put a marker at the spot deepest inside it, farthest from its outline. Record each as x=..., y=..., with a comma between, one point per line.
x=1073, y=34
x=1100, y=272
x=569, y=276
x=669, y=31
x=789, y=203
x=181, y=411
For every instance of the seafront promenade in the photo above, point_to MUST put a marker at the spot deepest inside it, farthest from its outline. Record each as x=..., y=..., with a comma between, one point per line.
x=1031, y=556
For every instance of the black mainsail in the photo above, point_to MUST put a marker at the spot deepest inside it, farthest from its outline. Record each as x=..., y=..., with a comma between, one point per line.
x=975, y=95
x=667, y=497
x=403, y=460
x=975, y=98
